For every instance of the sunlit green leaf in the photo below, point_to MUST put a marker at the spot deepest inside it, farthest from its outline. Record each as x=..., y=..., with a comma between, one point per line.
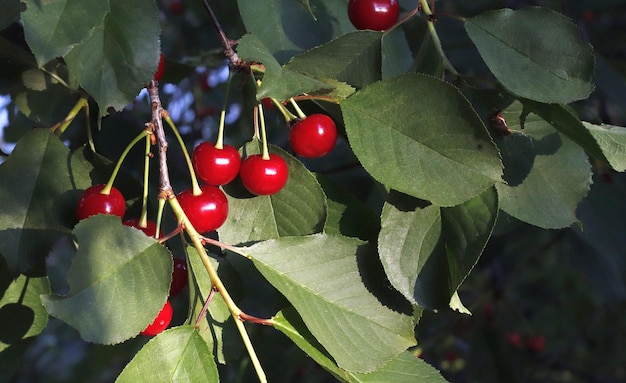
x=278, y=82
x=405, y=368
x=298, y=209
x=175, y=355
x=119, y=281
x=612, y=141
x=438, y=149
x=536, y=53
x=319, y=275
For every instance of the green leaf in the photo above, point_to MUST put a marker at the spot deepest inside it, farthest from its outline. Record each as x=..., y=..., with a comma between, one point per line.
x=356, y=59
x=22, y=315
x=612, y=141
x=346, y=214
x=405, y=368
x=298, y=209
x=217, y=328
x=278, y=82
x=564, y=119
x=320, y=276
x=53, y=28
x=176, y=355
x=547, y=174
x=119, y=281
x=536, y=53
x=38, y=183
x=114, y=73
x=279, y=24
x=396, y=53
x=438, y=150
x=428, y=252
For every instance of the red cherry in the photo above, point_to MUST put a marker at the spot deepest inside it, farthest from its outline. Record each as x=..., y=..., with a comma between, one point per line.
x=264, y=176
x=536, y=343
x=158, y=75
x=149, y=230
x=206, y=211
x=177, y=7
x=514, y=339
x=215, y=166
x=162, y=320
x=313, y=137
x=376, y=15
x=93, y=202
x=180, y=277
x=267, y=103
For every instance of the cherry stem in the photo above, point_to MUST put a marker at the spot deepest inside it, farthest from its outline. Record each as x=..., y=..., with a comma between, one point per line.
x=195, y=187
x=295, y=105
x=412, y=13
x=107, y=188
x=160, y=219
x=284, y=111
x=219, y=143
x=433, y=34
x=60, y=126
x=143, y=217
x=205, y=307
x=266, y=153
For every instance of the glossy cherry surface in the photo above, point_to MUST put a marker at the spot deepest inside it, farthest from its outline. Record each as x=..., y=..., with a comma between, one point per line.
x=377, y=15
x=162, y=320
x=158, y=75
x=93, y=202
x=149, y=230
x=264, y=176
x=313, y=137
x=180, y=278
x=215, y=166
x=206, y=211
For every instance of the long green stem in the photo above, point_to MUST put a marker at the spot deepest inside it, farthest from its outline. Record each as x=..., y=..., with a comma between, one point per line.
x=60, y=127
x=195, y=187
x=433, y=34
x=266, y=153
x=219, y=143
x=299, y=111
x=107, y=188
x=143, y=218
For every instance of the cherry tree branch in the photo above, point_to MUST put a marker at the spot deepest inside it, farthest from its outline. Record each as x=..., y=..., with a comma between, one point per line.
x=228, y=44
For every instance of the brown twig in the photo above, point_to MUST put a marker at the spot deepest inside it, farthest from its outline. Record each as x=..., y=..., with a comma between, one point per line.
x=165, y=189
x=228, y=44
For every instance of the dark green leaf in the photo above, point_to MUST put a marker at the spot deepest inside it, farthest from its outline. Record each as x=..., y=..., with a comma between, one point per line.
x=428, y=252
x=612, y=142
x=547, y=174
x=114, y=73
x=279, y=24
x=175, y=355
x=119, y=281
x=535, y=53
x=38, y=183
x=437, y=150
x=356, y=59
x=405, y=368
x=298, y=209
x=564, y=119
x=22, y=315
x=319, y=275
x=53, y=28
x=278, y=82
x=396, y=54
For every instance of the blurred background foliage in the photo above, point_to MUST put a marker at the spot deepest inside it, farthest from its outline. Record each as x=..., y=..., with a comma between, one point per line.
x=548, y=306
